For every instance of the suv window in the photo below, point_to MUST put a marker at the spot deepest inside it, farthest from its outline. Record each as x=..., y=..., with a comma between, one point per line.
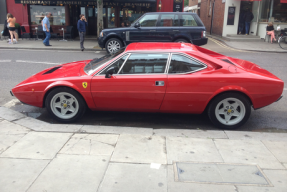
x=118, y=64
x=149, y=20
x=187, y=21
x=182, y=64
x=168, y=20
x=145, y=63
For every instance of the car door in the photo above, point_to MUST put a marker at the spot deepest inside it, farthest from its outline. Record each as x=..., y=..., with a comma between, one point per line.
x=189, y=27
x=167, y=27
x=186, y=92
x=139, y=83
x=147, y=30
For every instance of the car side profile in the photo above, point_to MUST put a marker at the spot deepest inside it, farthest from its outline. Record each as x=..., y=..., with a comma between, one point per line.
x=156, y=27
x=155, y=77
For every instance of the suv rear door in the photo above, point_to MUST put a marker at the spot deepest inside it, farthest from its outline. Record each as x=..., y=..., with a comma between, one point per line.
x=190, y=26
x=167, y=27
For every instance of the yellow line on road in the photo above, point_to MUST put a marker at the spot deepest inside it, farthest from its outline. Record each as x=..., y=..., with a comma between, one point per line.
x=225, y=46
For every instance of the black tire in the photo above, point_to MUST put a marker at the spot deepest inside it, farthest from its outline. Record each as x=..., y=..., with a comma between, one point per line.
x=283, y=42
x=78, y=102
x=116, y=41
x=244, y=109
x=181, y=41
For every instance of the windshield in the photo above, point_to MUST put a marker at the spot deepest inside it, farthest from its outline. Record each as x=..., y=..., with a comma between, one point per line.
x=98, y=62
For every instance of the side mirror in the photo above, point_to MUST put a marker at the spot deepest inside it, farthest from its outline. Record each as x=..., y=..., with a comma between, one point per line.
x=137, y=25
x=110, y=72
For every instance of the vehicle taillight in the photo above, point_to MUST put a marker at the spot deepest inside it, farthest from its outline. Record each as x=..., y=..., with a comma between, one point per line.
x=203, y=34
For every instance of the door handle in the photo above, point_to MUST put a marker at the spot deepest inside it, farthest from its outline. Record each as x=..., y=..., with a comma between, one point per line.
x=159, y=83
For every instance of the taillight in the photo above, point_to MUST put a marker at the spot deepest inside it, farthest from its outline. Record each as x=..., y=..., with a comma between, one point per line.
x=203, y=34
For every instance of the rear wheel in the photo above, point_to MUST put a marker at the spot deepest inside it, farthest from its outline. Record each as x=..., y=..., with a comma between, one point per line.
x=283, y=42
x=113, y=45
x=229, y=110
x=181, y=41
x=65, y=104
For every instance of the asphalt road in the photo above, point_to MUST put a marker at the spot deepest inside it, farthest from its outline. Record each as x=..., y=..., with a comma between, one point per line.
x=17, y=65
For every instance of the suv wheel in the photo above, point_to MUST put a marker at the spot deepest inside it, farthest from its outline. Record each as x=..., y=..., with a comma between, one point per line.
x=113, y=45
x=181, y=41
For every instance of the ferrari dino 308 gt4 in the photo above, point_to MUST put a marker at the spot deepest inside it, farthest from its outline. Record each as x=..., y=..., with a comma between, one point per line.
x=155, y=77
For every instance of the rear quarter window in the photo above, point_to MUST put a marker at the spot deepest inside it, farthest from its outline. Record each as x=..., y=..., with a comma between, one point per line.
x=188, y=20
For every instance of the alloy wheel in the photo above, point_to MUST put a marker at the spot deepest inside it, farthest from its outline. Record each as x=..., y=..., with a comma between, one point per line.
x=113, y=46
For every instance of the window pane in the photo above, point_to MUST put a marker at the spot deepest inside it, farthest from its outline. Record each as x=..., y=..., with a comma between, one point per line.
x=90, y=12
x=111, y=17
x=187, y=20
x=167, y=20
x=38, y=12
x=148, y=21
x=176, y=22
x=265, y=9
x=145, y=63
x=279, y=13
x=83, y=10
x=181, y=64
x=117, y=65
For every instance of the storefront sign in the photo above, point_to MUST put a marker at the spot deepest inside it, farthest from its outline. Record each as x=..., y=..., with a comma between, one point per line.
x=141, y=3
x=177, y=5
x=231, y=15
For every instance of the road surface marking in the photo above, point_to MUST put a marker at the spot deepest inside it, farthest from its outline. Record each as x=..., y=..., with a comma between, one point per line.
x=285, y=89
x=225, y=46
x=69, y=51
x=30, y=50
x=48, y=63
x=5, y=61
x=97, y=52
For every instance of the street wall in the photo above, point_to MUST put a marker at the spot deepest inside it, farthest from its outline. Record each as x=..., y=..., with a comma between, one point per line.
x=3, y=12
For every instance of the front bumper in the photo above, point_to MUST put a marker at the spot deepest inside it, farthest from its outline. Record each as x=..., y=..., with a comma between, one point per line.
x=11, y=93
x=101, y=42
x=279, y=98
x=199, y=42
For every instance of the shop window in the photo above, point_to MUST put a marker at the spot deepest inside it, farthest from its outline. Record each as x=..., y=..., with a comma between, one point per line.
x=83, y=9
x=111, y=17
x=38, y=12
x=90, y=12
x=187, y=21
x=265, y=8
x=168, y=20
x=279, y=12
x=149, y=20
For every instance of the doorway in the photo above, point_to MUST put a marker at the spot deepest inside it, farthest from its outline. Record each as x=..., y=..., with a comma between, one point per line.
x=91, y=16
x=244, y=7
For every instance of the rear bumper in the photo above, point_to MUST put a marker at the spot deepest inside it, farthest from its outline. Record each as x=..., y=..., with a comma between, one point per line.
x=199, y=42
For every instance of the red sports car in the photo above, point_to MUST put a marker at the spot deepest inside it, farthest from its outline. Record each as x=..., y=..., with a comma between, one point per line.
x=155, y=77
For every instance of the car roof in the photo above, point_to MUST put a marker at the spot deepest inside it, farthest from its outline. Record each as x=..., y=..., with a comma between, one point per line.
x=158, y=46
x=171, y=12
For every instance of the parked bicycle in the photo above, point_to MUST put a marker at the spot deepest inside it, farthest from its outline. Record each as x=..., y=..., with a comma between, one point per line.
x=283, y=39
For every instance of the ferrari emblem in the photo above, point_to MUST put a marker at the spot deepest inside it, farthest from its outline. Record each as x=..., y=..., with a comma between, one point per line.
x=85, y=84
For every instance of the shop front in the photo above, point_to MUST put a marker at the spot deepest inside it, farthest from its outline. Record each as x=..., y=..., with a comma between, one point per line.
x=116, y=13
x=264, y=11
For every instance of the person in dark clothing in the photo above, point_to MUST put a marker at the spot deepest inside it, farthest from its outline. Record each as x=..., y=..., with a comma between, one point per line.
x=248, y=17
x=82, y=23
x=270, y=31
x=241, y=22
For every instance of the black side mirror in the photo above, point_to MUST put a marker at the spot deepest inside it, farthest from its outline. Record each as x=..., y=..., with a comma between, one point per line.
x=110, y=72
x=137, y=25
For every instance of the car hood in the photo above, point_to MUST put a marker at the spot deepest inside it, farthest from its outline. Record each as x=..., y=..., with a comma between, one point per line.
x=60, y=71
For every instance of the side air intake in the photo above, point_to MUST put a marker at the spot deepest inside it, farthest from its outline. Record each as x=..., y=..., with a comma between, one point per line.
x=52, y=70
x=227, y=61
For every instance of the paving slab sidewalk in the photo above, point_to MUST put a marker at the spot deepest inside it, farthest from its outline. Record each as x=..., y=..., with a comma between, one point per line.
x=118, y=159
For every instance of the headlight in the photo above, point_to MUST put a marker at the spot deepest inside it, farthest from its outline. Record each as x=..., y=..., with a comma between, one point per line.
x=101, y=34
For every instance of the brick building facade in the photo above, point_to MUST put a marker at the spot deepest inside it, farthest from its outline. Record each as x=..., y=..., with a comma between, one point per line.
x=218, y=15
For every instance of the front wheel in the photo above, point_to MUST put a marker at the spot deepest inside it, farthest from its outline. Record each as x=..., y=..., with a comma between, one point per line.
x=229, y=110
x=65, y=104
x=283, y=42
x=113, y=45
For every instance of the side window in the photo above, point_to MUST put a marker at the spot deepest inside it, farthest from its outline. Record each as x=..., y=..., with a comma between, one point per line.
x=187, y=21
x=118, y=64
x=182, y=64
x=149, y=20
x=168, y=20
x=145, y=64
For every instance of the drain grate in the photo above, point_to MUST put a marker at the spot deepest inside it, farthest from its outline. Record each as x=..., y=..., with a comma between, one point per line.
x=220, y=173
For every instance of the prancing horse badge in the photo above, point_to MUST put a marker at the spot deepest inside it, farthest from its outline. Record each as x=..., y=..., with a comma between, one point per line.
x=85, y=84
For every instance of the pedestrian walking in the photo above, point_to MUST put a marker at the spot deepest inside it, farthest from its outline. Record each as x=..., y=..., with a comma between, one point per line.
x=12, y=29
x=46, y=29
x=82, y=24
x=248, y=17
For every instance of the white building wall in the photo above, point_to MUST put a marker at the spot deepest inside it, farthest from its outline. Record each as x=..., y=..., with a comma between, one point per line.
x=231, y=29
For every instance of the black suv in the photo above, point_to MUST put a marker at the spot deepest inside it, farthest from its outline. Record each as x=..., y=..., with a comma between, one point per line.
x=156, y=27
